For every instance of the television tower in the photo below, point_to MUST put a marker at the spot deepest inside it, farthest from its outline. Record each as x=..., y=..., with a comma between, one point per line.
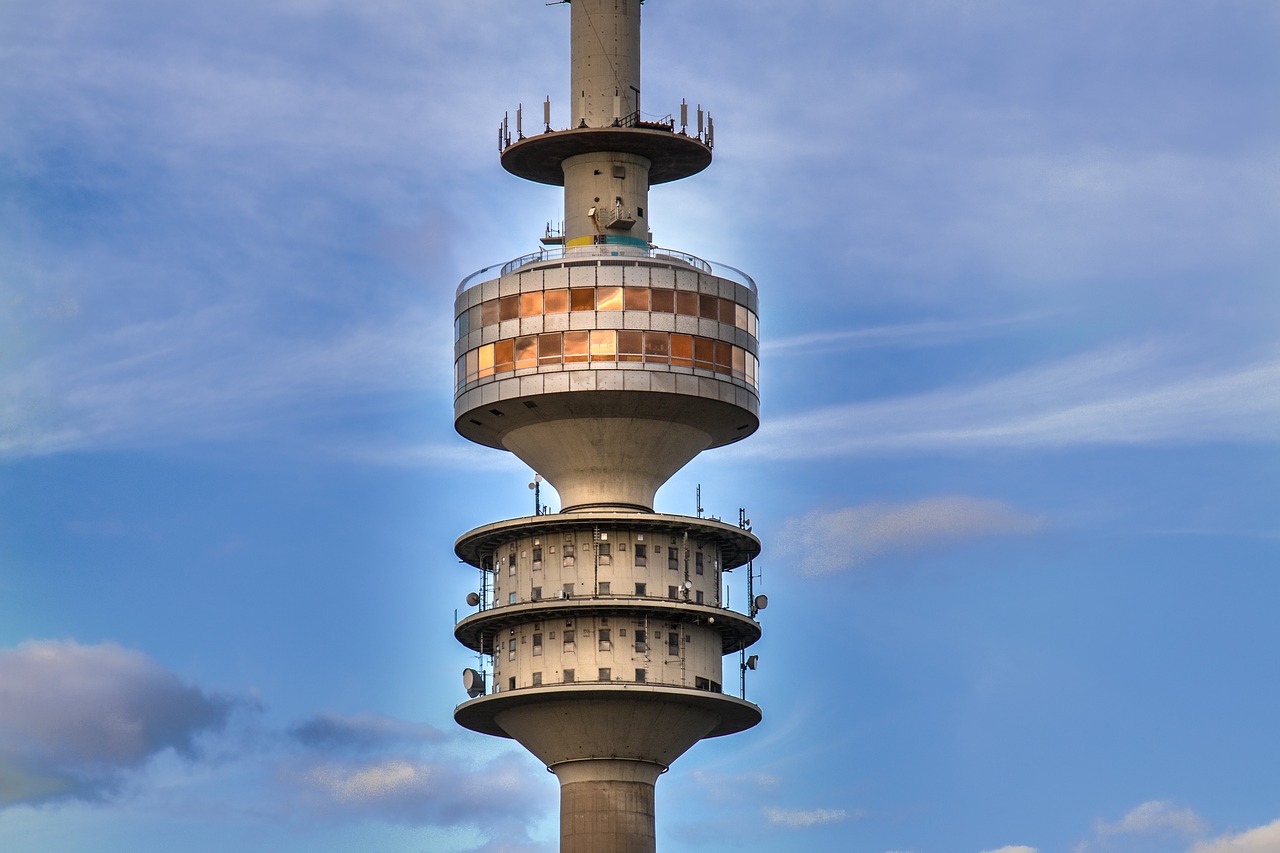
x=606, y=364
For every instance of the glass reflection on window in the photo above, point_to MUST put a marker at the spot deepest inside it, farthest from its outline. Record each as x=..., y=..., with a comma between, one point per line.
x=604, y=345
x=609, y=299
x=575, y=346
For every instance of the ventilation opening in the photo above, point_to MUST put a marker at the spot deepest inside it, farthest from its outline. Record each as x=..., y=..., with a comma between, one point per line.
x=529, y=404
x=495, y=413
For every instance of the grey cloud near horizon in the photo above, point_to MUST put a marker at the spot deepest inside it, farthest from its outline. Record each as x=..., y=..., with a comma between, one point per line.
x=822, y=542
x=361, y=732
x=75, y=719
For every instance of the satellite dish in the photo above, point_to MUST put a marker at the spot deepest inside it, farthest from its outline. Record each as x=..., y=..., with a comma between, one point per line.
x=473, y=682
x=688, y=584
x=533, y=485
x=761, y=602
x=753, y=661
x=472, y=599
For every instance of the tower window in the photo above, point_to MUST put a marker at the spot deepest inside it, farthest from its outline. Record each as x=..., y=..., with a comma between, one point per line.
x=640, y=675
x=605, y=674
x=642, y=557
x=511, y=683
x=568, y=641
x=673, y=593
x=673, y=644
x=642, y=589
x=641, y=641
x=537, y=679
x=697, y=563
x=605, y=644
x=568, y=676
x=537, y=644
x=698, y=596
x=605, y=588
x=535, y=594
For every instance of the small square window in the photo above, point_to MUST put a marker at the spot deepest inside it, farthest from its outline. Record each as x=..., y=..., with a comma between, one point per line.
x=673, y=592
x=642, y=589
x=535, y=594
x=537, y=679
x=605, y=674
x=605, y=588
x=568, y=676
x=511, y=683
x=511, y=599
x=698, y=596
x=640, y=675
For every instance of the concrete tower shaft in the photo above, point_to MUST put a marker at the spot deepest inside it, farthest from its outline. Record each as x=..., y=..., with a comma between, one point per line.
x=606, y=364
x=604, y=42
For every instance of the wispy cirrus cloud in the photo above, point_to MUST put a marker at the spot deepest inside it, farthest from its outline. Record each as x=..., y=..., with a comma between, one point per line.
x=807, y=818
x=823, y=542
x=1117, y=396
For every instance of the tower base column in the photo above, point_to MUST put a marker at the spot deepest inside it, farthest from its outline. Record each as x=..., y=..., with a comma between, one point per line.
x=606, y=806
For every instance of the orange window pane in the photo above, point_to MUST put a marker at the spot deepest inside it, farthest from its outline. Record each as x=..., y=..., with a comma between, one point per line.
x=708, y=306
x=489, y=312
x=656, y=346
x=549, y=348
x=509, y=307
x=609, y=299
x=635, y=298
x=486, y=360
x=687, y=303
x=575, y=346
x=526, y=351
x=740, y=362
x=726, y=311
x=630, y=346
x=740, y=317
x=504, y=355
x=604, y=345
x=582, y=298
x=555, y=301
x=682, y=350
x=704, y=352
x=531, y=304
x=663, y=301
x=724, y=357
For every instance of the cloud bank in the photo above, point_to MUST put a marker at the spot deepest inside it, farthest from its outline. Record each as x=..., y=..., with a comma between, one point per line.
x=74, y=720
x=823, y=542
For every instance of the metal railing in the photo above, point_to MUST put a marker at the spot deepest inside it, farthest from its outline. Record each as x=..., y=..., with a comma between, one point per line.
x=591, y=254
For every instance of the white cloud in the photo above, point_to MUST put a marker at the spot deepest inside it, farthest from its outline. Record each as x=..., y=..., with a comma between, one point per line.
x=1262, y=839
x=1117, y=396
x=805, y=818
x=1155, y=817
x=825, y=541
x=74, y=719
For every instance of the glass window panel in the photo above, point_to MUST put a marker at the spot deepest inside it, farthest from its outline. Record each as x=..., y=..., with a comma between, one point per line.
x=531, y=304
x=708, y=306
x=509, y=307
x=687, y=303
x=656, y=346
x=473, y=318
x=575, y=346
x=704, y=352
x=604, y=345
x=555, y=301
x=740, y=362
x=663, y=301
x=489, y=312
x=549, y=348
x=682, y=350
x=609, y=299
x=726, y=311
x=473, y=365
x=753, y=324
x=635, y=298
x=460, y=371
x=582, y=298
x=504, y=355
x=460, y=324
x=630, y=346
x=724, y=357
x=740, y=317
x=526, y=351
x=486, y=360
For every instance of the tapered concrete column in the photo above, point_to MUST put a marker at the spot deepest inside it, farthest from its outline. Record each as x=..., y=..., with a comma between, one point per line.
x=606, y=806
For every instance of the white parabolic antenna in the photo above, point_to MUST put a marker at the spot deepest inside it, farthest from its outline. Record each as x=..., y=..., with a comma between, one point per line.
x=473, y=681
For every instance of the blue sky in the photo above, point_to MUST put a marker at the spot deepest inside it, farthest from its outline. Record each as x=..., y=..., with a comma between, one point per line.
x=1016, y=477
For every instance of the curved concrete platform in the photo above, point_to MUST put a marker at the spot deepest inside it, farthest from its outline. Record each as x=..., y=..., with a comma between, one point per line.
x=540, y=158
x=640, y=722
